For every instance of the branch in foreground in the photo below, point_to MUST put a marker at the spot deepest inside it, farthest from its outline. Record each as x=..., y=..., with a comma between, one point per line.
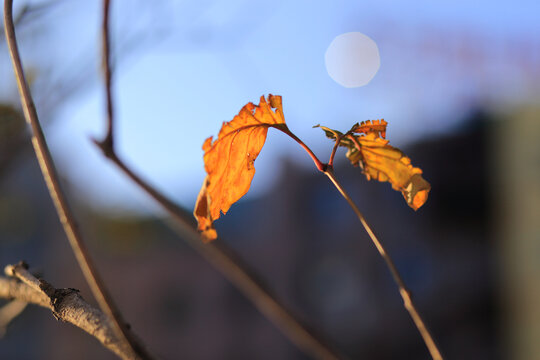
x=51, y=178
x=8, y=313
x=66, y=305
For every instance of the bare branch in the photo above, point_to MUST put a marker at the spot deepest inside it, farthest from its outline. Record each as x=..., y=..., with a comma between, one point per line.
x=218, y=256
x=403, y=291
x=107, y=72
x=13, y=289
x=67, y=305
x=20, y=271
x=408, y=303
x=8, y=313
x=228, y=264
x=50, y=175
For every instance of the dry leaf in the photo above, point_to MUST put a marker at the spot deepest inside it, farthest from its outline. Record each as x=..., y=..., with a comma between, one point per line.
x=366, y=127
x=229, y=160
x=381, y=161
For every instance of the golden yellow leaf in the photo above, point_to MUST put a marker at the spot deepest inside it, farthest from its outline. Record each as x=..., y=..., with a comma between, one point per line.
x=229, y=160
x=381, y=161
x=369, y=126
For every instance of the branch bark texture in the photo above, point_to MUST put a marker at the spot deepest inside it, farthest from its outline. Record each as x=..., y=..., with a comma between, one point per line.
x=67, y=305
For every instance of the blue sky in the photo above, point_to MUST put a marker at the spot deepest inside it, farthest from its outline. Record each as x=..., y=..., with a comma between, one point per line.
x=206, y=59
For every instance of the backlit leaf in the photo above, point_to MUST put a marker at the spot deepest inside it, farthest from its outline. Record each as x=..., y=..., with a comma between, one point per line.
x=228, y=160
x=382, y=162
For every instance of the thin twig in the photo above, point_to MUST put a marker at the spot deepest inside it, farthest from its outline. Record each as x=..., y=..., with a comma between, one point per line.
x=9, y=312
x=50, y=175
x=66, y=305
x=218, y=256
x=222, y=258
x=20, y=271
x=334, y=149
x=327, y=169
x=318, y=163
x=405, y=294
x=107, y=72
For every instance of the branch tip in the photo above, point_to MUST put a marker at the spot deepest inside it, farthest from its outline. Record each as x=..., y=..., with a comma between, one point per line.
x=11, y=270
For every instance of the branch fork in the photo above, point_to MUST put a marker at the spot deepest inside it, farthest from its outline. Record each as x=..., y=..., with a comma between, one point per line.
x=50, y=175
x=328, y=170
x=56, y=296
x=44, y=294
x=66, y=305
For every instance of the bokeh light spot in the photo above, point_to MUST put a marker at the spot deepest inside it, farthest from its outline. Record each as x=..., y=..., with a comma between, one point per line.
x=352, y=59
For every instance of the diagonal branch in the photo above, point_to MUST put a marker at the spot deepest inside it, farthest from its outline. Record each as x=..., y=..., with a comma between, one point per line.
x=9, y=312
x=408, y=303
x=50, y=175
x=403, y=291
x=20, y=271
x=67, y=305
x=218, y=255
x=223, y=259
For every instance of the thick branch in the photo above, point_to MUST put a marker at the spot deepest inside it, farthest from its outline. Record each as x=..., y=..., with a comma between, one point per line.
x=50, y=175
x=68, y=306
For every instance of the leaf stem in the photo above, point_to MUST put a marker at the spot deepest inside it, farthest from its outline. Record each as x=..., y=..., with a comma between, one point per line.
x=50, y=176
x=318, y=163
x=334, y=149
x=408, y=303
x=405, y=294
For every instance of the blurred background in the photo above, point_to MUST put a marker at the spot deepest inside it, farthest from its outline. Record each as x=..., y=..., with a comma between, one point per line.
x=458, y=83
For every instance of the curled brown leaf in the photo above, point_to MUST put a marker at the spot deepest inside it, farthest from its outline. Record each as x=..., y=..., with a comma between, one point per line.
x=382, y=162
